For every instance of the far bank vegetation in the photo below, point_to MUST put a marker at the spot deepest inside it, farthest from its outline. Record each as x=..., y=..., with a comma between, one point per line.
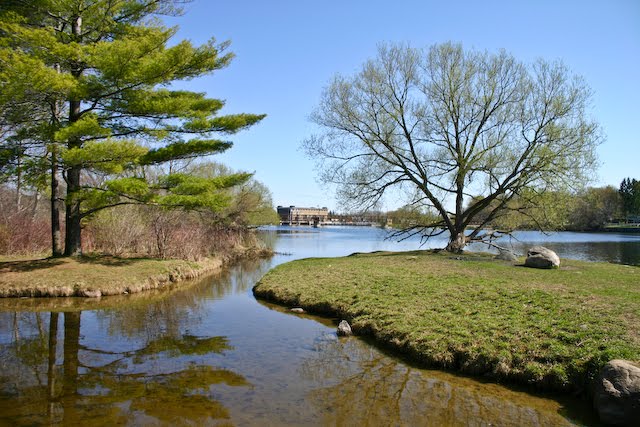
x=587, y=209
x=134, y=230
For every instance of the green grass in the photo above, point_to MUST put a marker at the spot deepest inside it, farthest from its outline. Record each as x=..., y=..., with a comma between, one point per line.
x=45, y=277
x=551, y=328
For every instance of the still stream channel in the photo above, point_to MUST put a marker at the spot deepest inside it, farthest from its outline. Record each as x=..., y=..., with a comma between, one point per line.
x=209, y=353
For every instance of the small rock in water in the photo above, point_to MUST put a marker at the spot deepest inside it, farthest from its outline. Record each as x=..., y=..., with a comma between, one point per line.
x=344, y=329
x=297, y=310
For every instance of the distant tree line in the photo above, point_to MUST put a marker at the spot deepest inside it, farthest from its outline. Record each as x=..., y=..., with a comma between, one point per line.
x=590, y=209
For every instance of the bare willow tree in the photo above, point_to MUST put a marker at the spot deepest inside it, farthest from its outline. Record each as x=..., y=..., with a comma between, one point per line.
x=456, y=131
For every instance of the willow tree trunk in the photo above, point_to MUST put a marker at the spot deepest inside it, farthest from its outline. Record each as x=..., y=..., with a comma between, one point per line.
x=457, y=242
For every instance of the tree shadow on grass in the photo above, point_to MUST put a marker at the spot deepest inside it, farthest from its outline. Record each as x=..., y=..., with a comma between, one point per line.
x=22, y=266
x=110, y=261
x=29, y=265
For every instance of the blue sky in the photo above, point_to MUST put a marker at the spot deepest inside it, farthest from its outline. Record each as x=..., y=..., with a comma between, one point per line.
x=287, y=51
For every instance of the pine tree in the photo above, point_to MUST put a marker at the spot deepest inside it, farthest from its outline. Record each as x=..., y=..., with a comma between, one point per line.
x=103, y=68
x=630, y=195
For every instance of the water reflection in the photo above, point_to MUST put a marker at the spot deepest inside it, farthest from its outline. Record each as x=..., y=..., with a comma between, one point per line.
x=49, y=379
x=367, y=386
x=207, y=353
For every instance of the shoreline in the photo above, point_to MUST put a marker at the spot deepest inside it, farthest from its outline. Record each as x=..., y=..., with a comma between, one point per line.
x=558, y=370
x=98, y=276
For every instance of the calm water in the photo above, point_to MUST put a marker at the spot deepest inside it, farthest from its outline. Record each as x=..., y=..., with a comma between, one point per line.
x=208, y=353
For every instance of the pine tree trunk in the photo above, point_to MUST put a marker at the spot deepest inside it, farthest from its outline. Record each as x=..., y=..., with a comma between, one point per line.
x=55, y=211
x=70, y=365
x=73, y=241
x=73, y=238
x=51, y=365
x=19, y=185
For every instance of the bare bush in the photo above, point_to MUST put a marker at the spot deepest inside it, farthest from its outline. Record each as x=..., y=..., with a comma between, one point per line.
x=118, y=231
x=24, y=224
x=145, y=231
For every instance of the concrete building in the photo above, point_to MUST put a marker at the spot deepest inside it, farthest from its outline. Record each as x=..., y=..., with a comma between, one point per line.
x=293, y=215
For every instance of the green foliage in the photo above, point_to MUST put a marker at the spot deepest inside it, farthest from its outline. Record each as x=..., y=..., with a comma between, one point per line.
x=225, y=124
x=193, y=185
x=85, y=127
x=630, y=193
x=594, y=208
x=184, y=150
x=250, y=202
x=21, y=162
x=253, y=206
x=133, y=187
x=587, y=210
x=99, y=75
x=107, y=156
x=408, y=216
x=547, y=210
x=170, y=103
x=187, y=191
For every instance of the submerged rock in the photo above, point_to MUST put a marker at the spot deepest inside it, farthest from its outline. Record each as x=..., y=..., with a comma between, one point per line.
x=541, y=257
x=91, y=294
x=617, y=393
x=344, y=329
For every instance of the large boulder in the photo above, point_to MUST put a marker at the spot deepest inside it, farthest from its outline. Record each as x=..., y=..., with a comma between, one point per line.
x=541, y=257
x=617, y=394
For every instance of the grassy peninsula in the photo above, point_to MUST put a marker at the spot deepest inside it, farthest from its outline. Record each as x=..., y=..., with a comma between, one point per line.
x=470, y=313
x=93, y=276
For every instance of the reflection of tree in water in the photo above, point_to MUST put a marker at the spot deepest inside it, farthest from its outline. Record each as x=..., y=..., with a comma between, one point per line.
x=243, y=276
x=183, y=307
x=50, y=375
x=124, y=388
x=366, y=387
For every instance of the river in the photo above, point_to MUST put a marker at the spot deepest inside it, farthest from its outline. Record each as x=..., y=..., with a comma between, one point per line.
x=208, y=353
